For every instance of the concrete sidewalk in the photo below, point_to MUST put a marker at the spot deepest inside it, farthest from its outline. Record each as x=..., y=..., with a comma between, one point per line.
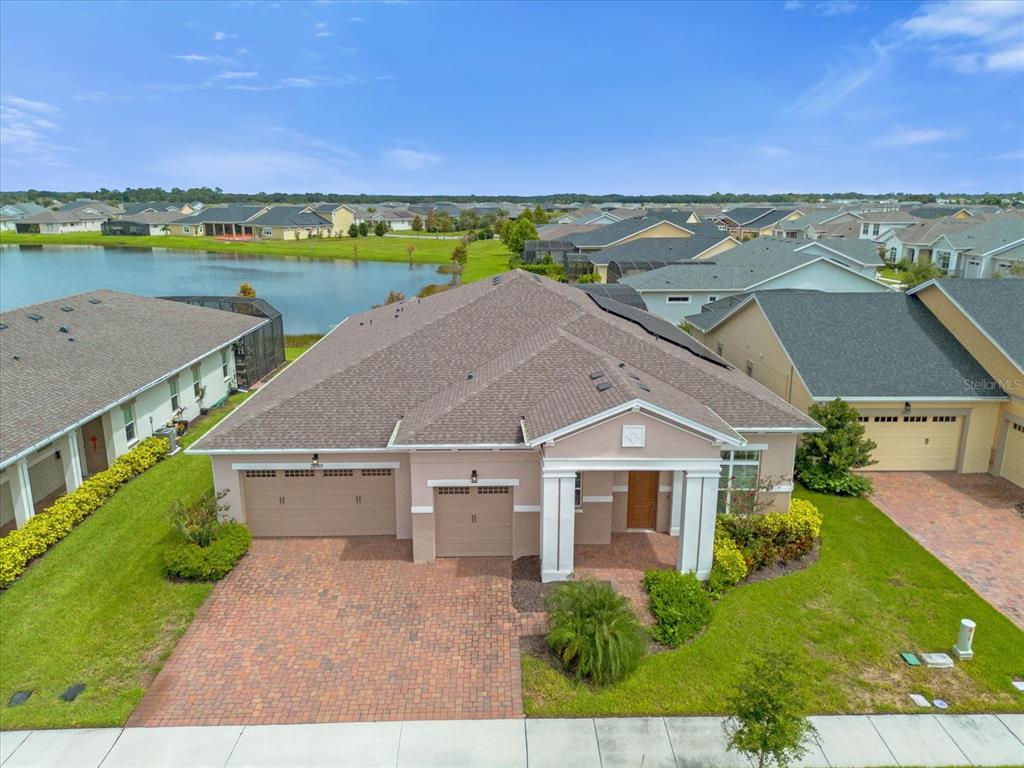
x=652, y=742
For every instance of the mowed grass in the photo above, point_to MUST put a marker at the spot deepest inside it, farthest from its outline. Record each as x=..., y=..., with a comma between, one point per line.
x=96, y=608
x=873, y=593
x=486, y=257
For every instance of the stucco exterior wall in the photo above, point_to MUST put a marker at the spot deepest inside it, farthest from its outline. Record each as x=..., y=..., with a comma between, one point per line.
x=664, y=229
x=604, y=440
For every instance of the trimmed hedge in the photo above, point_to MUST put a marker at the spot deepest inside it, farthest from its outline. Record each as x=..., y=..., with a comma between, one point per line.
x=210, y=563
x=55, y=522
x=764, y=539
x=680, y=605
x=730, y=567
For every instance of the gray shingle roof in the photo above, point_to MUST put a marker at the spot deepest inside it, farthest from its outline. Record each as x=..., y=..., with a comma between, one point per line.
x=289, y=216
x=615, y=291
x=467, y=365
x=69, y=215
x=862, y=251
x=612, y=233
x=989, y=236
x=664, y=249
x=230, y=213
x=995, y=306
x=872, y=345
x=120, y=345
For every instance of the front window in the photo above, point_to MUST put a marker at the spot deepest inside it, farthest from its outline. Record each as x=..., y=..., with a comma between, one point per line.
x=875, y=229
x=268, y=231
x=224, y=363
x=173, y=384
x=196, y=382
x=128, y=416
x=185, y=229
x=865, y=229
x=737, y=485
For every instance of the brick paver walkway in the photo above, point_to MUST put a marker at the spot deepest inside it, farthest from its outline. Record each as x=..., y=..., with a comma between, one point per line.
x=624, y=561
x=334, y=630
x=969, y=523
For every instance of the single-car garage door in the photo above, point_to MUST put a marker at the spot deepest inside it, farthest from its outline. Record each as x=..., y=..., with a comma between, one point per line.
x=472, y=521
x=925, y=443
x=320, y=502
x=1013, y=454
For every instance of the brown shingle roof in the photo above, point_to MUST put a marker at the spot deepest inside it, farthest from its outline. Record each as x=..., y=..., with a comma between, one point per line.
x=121, y=344
x=466, y=366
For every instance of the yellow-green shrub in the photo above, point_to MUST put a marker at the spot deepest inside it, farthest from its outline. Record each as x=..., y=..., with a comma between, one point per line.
x=730, y=567
x=801, y=525
x=55, y=522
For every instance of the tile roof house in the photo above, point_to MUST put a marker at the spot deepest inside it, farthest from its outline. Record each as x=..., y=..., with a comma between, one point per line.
x=928, y=395
x=87, y=376
x=508, y=417
x=681, y=290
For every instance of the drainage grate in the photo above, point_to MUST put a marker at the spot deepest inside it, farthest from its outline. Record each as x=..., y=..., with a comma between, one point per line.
x=72, y=693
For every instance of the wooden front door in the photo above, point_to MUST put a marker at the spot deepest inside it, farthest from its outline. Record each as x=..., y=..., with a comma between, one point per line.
x=642, y=501
x=95, y=446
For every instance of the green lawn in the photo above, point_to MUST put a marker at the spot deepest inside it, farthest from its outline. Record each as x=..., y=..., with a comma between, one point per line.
x=873, y=593
x=890, y=274
x=96, y=608
x=486, y=257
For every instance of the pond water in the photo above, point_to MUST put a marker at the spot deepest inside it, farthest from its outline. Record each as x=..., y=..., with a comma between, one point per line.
x=312, y=294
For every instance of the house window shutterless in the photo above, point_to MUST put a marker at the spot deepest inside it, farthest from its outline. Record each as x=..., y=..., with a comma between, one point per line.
x=128, y=416
x=224, y=363
x=175, y=400
x=737, y=485
x=196, y=382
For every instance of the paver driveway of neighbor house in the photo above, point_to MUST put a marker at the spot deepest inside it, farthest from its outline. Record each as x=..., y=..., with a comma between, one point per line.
x=331, y=630
x=969, y=523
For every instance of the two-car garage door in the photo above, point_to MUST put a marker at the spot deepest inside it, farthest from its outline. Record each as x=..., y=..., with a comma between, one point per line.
x=915, y=442
x=319, y=502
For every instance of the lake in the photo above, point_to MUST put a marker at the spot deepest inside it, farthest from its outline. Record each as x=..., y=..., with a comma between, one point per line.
x=312, y=294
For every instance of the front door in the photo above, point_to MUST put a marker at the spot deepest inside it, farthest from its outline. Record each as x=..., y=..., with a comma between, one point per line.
x=642, y=501
x=95, y=446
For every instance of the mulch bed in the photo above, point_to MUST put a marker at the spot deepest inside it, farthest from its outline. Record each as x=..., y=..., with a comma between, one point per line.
x=528, y=592
x=783, y=568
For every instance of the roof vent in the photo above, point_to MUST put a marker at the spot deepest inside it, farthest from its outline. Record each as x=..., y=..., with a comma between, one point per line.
x=35, y=317
x=2, y=326
x=67, y=309
x=469, y=376
x=643, y=386
x=64, y=329
x=95, y=301
x=603, y=386
x=597, y=375
x=71, y=338
x=16, y=357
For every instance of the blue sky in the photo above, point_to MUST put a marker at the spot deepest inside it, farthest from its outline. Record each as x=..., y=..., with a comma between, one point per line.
x=514, y=98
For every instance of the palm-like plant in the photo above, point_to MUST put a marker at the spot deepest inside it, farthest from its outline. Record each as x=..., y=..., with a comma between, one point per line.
x=593, y=631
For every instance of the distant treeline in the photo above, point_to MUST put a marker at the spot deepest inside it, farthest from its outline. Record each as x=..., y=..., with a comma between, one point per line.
x=209, y=196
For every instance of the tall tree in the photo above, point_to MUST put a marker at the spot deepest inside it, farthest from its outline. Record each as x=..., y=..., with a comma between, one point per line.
x=417, y=223
x=460, y=255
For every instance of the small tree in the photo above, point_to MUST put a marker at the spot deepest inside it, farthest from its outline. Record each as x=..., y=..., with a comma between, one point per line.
x=380, y=228
x=394, y=297
x=353, y=230
x=825, y=460
x=1016, y=269
x=246, y=291
x=516, y=233
x=460, y=255
x=915, y=273
x=364, y=228
x=768, y=725
x=410, y=249
x=417, y=223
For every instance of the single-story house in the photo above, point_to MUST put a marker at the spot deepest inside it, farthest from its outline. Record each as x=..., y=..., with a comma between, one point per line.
x=61, y=222
x=874, y=224
x=987, y=318
x=397, y=219
x=819, y=223
x=647, y=253
x=11, y=213
x=989, y=249
x=747, y=223
x=861, y=255
x=255, y=222
x=444, y=427
x=916, y=242
x=153, y=206
x=84, y=378
x=93, y=205
x=678, y=291
x=155, y=223
x=924, y=399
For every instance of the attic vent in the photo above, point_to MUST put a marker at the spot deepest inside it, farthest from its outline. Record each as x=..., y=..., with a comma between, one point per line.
x=604, y=385
x=64, y=329
x=95, y=301
x=35, y=317
x=597, y=375
x=67, y=309
x=643, y=386
x=496, y=279
x=2, y=326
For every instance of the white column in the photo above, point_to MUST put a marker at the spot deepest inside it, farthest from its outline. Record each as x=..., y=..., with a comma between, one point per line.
x=557, y=525
x=71, y=460
x=697, y=533
x=677, y=503
x=708, y=517
x=21, y=493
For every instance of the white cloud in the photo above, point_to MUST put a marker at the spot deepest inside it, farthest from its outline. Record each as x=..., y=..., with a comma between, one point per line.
x=322, y=29
x=913, y=137
x=30, y=106
x=26, y=132
x=771, y=150
x=218, y=36
x=410, y=159
x=199, y=58
x=840, y=82
x=792, y=5
x=836, y=7
x=356, y=19
x=297, y=82
x=92, y=96
x=231, y=75
x=984, y=35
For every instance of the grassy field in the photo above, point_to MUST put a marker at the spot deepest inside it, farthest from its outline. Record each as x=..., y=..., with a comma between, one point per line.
x=873, y=593
x=96, y=609
x=486, y=257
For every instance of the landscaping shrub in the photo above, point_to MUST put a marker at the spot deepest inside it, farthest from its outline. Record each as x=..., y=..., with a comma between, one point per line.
x=730, y=567
x=55, y=522
x=764, y=539
x=680, y=605
x=198, y=523
x=593, y=631
x=841, y=484
x=825, y=460
x=210, y=563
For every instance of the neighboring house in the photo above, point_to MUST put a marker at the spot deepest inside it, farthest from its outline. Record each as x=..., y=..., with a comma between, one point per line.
x=647, y=253
x=62, y=222
x=594, y=216
x=159, y=206
x=874, y=224
x=92, y=205
x=679, y=291
x=11, y=213
x=816, y=224
x=146, y=223
x=924, y=399
x=397, y=219
x=941, y=212
x=747, y=223
x=860, y=255
x=557, y=231
x=341, y=215
x=916, y=242
x=987, y=318
x=987, y=250
x=86, y=377
x=444, y=428
x=256, y=222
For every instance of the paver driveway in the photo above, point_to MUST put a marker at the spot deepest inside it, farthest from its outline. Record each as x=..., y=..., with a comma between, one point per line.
x=969, y=523
x=329, y=630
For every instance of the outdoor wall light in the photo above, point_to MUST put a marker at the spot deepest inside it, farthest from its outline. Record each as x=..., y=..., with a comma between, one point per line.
x=315, y=464
x=906, y=408
x=473, y=476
